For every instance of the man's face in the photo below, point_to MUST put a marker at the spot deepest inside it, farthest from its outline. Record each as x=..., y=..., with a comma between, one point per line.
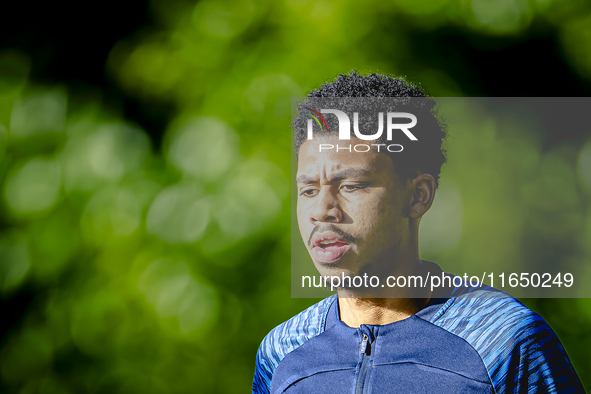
x=350, y=208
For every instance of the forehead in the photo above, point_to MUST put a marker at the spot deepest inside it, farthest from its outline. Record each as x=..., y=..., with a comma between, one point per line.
x=313, y=161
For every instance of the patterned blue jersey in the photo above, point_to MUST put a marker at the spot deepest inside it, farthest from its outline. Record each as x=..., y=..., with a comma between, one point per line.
x=477, y=340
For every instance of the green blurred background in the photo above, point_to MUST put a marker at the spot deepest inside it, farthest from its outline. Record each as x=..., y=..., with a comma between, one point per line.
x=144, y=164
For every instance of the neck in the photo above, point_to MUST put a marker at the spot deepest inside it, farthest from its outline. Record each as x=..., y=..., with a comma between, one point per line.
x=385, y=305
x=378, y=311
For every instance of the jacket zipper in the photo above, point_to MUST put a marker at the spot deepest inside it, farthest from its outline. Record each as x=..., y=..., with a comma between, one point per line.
x=364, y=365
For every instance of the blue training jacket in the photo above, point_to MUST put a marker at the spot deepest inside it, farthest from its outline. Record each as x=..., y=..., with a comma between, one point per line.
x=473, y=340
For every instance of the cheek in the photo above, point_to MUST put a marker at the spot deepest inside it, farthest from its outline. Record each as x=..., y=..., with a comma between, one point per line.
x=376, y=217
x=304, y=224
x=366, y=216
x=302, y=212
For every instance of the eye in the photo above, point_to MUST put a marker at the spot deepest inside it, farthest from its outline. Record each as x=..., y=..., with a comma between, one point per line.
x=351, y=188
x=308, y=192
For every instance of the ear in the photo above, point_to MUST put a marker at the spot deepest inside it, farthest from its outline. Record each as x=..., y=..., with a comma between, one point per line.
x=422, y=194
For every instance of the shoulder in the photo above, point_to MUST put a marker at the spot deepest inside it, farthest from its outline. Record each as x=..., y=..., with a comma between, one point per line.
x=518, y=348
x=287, y=337
x=484, y=309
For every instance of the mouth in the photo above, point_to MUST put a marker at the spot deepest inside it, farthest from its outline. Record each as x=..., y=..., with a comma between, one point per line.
x=328, y=247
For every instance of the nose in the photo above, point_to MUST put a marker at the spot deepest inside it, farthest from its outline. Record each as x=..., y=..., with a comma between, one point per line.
x=326, y=208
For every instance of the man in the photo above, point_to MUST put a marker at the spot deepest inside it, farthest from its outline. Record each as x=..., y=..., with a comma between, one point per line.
x=358, y=212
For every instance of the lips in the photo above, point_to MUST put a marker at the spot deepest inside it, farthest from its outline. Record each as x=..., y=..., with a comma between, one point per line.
x=328, y=247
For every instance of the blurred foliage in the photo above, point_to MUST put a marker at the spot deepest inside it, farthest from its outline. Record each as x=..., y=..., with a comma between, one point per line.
x=127, y=268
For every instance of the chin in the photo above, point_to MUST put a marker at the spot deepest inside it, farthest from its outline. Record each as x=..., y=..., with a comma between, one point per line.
x=332, y=269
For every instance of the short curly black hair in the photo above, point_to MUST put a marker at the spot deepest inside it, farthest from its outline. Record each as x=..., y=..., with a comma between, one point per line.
x=428, y=156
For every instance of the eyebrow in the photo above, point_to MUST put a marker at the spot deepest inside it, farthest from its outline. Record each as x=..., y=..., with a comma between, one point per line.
x=337, y=176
